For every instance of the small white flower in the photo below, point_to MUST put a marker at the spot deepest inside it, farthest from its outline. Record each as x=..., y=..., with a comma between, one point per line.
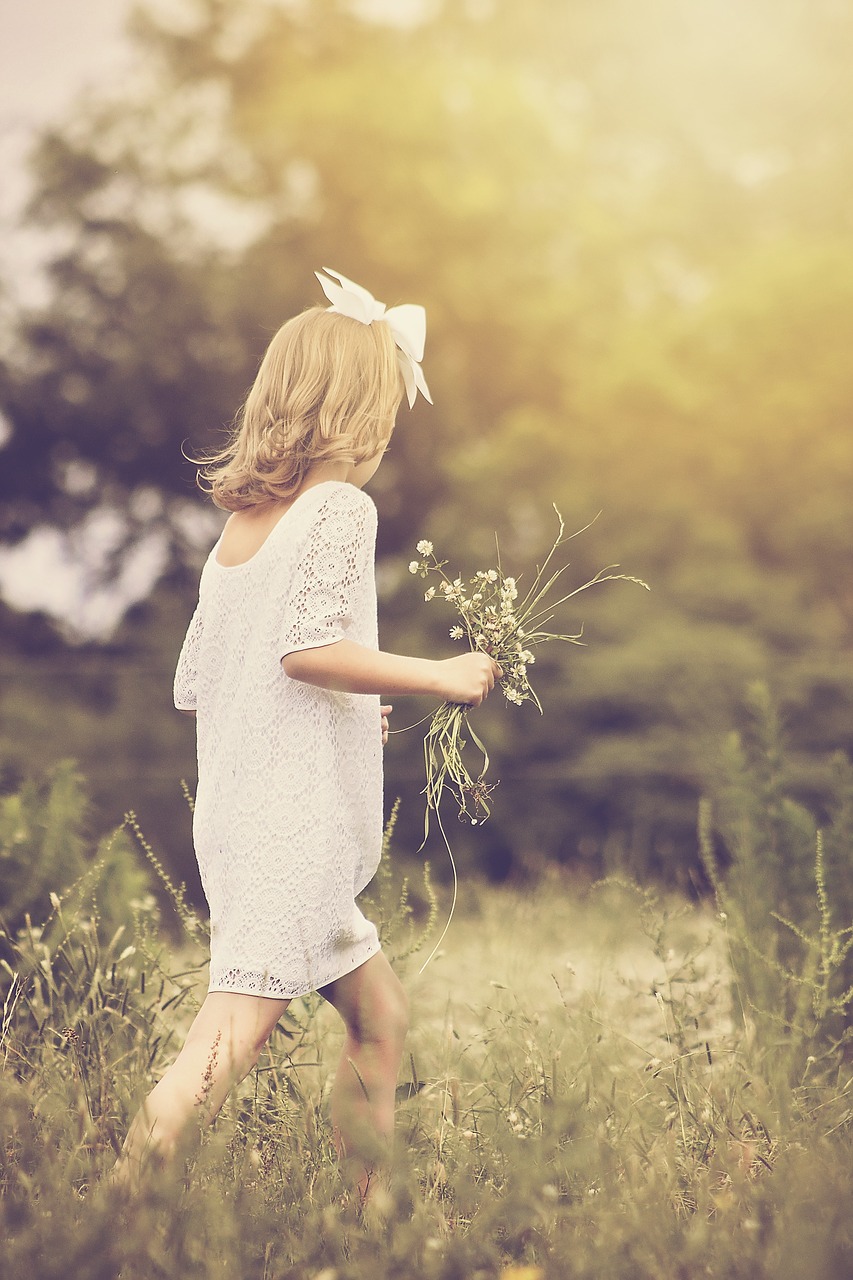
x=456, y=633
x=414, y=565
x=429, y=593
x=424, y=547
x=492, y=575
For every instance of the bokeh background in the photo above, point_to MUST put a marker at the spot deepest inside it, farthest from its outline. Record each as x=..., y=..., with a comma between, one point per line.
x=632, y=228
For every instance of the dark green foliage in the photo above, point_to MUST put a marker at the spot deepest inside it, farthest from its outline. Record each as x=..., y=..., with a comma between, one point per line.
x=786, y=892
x=45, y=851
x=41, y=842
x=127, y=739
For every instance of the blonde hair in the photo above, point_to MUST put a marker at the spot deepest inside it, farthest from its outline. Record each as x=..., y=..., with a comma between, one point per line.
x=327, y=391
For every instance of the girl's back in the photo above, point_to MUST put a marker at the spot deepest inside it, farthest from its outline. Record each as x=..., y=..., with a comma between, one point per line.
x=245, y=533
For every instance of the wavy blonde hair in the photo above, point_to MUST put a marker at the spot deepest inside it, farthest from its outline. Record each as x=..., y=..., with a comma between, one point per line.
x=327, y=391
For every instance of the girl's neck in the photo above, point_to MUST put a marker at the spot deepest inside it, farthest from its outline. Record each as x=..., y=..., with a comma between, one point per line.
x=323, y=471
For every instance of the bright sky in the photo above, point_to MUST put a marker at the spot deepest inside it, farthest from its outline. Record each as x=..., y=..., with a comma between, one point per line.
x=50, y=51
x=49, y=48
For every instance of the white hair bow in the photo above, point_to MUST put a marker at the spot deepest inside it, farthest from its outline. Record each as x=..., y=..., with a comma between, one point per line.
x=407, y=324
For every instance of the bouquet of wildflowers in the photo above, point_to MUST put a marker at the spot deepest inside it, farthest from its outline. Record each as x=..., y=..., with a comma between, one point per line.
x=494, y=620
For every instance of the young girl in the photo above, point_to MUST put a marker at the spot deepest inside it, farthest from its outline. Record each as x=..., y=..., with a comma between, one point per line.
x=281, y=668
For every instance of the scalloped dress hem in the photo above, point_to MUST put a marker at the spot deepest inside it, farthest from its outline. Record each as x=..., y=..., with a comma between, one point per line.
x=245, y=983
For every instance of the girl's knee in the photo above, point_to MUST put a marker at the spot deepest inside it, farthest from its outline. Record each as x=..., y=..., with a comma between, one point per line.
x=259, y=1029
x=233, y=1030
x=390, y=1014
x=372, y=1002
x=400, y=1017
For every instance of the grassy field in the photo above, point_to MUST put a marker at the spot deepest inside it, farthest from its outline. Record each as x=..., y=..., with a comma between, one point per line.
x=584, y=1096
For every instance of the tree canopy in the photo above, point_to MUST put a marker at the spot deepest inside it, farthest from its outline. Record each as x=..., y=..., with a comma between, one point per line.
x=630, y=226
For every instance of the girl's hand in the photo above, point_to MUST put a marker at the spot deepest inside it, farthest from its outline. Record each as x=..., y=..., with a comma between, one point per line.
x=467, y=679
x=385, y=713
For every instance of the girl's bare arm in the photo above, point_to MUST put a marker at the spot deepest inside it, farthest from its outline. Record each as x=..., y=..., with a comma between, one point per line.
x=351, y=668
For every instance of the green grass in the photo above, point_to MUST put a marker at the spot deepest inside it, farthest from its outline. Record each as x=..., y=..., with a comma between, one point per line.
x=584, y=1094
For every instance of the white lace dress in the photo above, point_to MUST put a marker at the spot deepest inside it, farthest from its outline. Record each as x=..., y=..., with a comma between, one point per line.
x=288, y=816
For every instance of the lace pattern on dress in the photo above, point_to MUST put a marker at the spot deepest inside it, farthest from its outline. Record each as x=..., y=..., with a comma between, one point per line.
x=334, y=560
x=287, y=824
x=187, y=669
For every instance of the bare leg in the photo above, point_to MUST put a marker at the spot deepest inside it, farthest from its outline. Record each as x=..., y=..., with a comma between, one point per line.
x=374, y=1007
x=222, y=1046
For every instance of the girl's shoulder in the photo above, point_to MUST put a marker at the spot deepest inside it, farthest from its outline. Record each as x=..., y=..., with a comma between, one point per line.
x=339, y=496
x=342, y=493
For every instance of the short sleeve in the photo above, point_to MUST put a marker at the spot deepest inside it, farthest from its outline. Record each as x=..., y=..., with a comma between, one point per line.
x=338, y=553
x=187, y=668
